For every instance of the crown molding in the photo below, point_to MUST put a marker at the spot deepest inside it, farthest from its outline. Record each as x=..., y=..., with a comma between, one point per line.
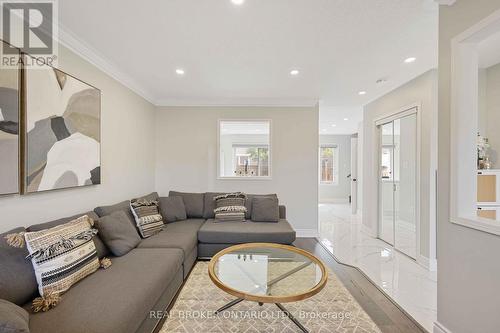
x=446, y=2
x=82, y=49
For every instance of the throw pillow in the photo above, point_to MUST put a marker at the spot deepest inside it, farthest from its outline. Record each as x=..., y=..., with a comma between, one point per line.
x=230, y=207
x=13, y=318
x=117, y=233
x=61, y=256
x=172, y=209
x=209, y=204
x=248, y=203
x=147, y=217
x=192, y=201
x=265, y=209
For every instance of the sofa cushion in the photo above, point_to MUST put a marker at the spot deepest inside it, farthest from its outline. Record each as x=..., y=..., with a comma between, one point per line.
x=265, y=209
x=246, y=232
x=172, y=209
x=165, y=239
x=181, y=235
x=117, y=233
x=117, y=299
x=249, y=202
x=17, y=277
x=123, y=206
x=13, y=318
x=188, y=226
x=209, y=206
x=102, y=250
x=192, y=201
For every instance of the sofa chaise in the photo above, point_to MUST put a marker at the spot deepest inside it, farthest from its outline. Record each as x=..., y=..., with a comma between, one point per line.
x=128, y=296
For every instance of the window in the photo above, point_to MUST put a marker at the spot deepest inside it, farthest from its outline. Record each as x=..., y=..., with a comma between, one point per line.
x=251, y=160
x=328, y=164
x=244, y=149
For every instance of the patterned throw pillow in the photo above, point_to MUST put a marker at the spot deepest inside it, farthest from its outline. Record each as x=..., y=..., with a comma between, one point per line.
x=147, y=217
x=230, y=207
x=62, y=255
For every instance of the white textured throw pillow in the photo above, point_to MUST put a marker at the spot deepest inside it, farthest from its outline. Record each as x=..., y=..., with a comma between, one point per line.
x=62, y=255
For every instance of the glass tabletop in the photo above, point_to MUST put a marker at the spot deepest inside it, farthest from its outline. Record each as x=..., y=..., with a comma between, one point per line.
x=268, y=270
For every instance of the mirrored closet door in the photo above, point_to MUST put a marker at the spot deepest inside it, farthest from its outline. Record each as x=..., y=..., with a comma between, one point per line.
x=397, y=183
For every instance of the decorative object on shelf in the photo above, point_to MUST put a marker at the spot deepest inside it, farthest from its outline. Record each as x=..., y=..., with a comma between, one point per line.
x=62, y=131
x=487, y=163
x=483, y=145
x=9, y=129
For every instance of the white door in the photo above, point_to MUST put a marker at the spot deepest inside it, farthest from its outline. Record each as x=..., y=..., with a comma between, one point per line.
x=354, y=175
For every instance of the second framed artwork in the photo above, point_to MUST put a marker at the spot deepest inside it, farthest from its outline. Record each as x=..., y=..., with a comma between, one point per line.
x=61, y=131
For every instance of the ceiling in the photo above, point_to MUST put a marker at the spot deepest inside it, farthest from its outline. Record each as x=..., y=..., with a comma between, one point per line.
x=243, y=55
x=489, y=51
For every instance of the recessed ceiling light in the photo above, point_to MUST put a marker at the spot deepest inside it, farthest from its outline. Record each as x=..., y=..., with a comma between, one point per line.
x=333, y=125
x=410, y=60
x=238, y=2
x=346, y=118
x=294, y=72
x=179, y=71
x=362, y=93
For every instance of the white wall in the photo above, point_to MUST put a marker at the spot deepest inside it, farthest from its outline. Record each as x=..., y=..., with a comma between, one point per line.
x=186, y=156
x=338, y=192
x=127, y=155
x=421, y=90
x=468, y=265
x=360, y=167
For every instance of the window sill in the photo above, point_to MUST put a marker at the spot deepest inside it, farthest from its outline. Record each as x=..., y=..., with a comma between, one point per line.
x=481, y=224
x=245, y=178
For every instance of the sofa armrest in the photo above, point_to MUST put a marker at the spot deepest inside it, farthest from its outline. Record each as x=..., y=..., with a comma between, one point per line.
x=282, y=212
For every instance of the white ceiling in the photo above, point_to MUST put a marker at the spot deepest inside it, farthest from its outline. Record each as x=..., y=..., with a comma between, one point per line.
x=489, y=51
x=242, y=55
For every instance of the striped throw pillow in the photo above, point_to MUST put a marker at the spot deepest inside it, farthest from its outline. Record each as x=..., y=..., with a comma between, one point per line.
x=147, y=217
x=230, y=207
x=62, y=255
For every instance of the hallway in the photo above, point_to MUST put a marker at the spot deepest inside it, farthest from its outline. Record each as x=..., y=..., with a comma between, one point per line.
x=411, y=286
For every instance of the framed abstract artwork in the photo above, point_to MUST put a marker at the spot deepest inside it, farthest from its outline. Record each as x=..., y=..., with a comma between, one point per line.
x=9, y=128
x=62, y=131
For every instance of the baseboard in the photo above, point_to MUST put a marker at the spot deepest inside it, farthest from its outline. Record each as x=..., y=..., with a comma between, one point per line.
x=307, y=233
x=334, y=200
x=430, y=264
x=439, y=328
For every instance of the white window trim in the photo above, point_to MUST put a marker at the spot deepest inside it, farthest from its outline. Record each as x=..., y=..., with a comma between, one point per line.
x=336, y=158
x=463, y=125
x=256, y=178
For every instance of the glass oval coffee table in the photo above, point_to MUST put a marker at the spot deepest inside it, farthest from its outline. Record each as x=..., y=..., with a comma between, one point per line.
x=267, y=273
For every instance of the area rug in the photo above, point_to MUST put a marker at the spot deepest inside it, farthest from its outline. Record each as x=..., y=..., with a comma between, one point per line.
x=332, y=310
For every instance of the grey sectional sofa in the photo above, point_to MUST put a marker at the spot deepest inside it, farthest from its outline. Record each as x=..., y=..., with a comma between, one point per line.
x=122, y=298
